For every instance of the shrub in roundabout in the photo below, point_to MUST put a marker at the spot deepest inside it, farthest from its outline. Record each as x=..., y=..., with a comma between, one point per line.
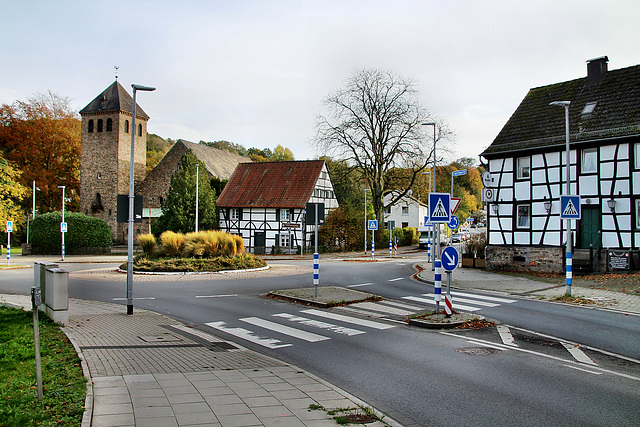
x=209, y=250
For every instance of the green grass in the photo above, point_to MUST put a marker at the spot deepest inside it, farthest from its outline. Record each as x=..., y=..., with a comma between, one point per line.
x=64, y=386
x=15, y=250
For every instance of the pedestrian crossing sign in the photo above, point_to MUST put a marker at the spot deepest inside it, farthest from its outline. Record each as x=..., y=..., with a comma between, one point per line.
x=570, y=207
x=439, y=207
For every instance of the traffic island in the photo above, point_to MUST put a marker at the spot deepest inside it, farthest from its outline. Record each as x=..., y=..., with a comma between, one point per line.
x=455, y=320
x=326, y=296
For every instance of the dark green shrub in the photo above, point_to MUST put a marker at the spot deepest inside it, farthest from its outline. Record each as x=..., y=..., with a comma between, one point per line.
x=82, y=232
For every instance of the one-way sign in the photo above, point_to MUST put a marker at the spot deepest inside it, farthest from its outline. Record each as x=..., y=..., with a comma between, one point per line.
x=570, y=207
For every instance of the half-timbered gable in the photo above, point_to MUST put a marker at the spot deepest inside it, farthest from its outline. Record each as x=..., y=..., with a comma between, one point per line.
x=527, y=163
x=265, y=203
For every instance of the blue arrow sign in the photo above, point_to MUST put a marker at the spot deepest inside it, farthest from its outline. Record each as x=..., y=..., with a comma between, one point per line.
x=372, y=224
x=9, y=226
x=454, y=223
x=460, y=172
x=570, y=207
x=439, y=207
x=450, y=258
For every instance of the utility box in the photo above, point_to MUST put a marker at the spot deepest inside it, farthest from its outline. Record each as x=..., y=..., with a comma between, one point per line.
x=57, y=295
x=39, y=268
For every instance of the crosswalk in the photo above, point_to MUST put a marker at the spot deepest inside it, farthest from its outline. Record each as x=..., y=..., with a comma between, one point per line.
x=280, y=330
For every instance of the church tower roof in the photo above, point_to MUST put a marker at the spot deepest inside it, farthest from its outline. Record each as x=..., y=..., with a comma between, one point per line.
x=113, y=98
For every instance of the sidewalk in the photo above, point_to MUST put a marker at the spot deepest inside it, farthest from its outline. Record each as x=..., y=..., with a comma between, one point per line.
x=476, y=279
x=147, y=369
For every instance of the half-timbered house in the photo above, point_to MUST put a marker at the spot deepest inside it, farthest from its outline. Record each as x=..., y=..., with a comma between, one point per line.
x=527, y=163
x=265, y=203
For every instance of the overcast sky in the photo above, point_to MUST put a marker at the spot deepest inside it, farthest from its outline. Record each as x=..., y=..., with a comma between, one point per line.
x=256, y=72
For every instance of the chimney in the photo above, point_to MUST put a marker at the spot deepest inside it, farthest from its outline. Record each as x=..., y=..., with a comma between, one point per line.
x=596, y=69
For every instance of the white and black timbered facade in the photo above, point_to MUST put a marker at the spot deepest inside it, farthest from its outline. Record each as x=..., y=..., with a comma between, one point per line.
x=265, y=204
x=527, y=163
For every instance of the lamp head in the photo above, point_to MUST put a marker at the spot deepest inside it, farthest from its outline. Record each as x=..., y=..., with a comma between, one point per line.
x=141, y=87
x=561, y=103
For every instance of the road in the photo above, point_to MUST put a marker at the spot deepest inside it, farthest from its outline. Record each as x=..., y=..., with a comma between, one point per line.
x=493, y=376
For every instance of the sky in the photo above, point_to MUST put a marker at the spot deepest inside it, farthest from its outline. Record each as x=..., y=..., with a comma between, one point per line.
x=256, y=73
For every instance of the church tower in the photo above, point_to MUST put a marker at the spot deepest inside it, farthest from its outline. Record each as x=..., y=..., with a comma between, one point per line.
x=106, y=152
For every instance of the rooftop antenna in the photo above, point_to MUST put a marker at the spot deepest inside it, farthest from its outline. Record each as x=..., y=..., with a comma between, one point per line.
x=116, y=68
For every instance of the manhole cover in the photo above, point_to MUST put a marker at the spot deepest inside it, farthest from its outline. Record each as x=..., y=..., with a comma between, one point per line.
x=478, y=351
x=160, y=338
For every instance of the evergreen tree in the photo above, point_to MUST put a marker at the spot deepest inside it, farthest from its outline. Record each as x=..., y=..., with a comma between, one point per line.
x=179, y=208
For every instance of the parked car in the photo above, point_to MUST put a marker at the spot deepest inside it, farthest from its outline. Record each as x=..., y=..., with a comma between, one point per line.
x=456, y=238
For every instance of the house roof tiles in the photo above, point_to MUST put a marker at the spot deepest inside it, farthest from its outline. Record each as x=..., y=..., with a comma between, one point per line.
x=535, y=124
x=271, y=184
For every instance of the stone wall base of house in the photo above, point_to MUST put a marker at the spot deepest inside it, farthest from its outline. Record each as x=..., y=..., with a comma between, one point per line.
x=546, y=259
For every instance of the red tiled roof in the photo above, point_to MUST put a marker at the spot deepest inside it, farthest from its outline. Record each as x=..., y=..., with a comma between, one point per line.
x=271, y=184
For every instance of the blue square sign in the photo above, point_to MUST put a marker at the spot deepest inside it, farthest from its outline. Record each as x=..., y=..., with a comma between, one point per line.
x=570, y=207
x=439, y=207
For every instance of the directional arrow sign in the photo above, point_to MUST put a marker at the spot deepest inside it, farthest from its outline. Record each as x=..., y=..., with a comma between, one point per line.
x=454, y=223
x=570, y=207
x=459, y=173
x=439, y=207
x=450, y=258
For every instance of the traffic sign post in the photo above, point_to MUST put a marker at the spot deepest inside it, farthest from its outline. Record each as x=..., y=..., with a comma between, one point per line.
x=372, y=225
x=9, y=231
x=570, y=207
x=450, y=258
x=439, y=211
x=454, y=223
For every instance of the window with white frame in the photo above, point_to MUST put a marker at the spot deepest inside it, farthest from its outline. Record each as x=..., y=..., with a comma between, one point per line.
x=235, y=213
x=284, y=240
x=636, y=155
x=637, y=214
x=589, y=160
x=405, y=210
x=524, y=216
x=387, y=210
x=524, y=167
x=285, y=215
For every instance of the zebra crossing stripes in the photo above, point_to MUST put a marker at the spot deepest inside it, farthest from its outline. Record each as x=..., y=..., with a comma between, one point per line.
x=464, y=300
x=348, y=319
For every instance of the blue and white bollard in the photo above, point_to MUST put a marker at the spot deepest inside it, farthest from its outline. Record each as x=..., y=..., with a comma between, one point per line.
x=390, y=248
x=316, y=272
x=429, y=250
x=373, y=249
x=569, y=269
x=438, y=284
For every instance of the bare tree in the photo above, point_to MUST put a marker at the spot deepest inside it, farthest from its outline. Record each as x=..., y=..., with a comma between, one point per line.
x=374, y=123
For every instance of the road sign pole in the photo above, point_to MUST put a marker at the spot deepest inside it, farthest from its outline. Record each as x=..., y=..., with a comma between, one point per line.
x=316, y=258
x=8, y=248
x=438, y=284
x=373, y=244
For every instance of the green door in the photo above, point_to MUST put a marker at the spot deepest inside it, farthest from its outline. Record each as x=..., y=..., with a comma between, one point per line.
x=260, y=239
x=589, y=227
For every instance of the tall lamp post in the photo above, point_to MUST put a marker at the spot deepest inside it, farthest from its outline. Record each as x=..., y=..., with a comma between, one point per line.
x=436, y=254
x=61, y=230
x=131, y=199
x=197, y=182
x=569, y=260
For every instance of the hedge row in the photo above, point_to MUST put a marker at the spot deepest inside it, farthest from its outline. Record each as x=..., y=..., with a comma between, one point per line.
x=82, y=232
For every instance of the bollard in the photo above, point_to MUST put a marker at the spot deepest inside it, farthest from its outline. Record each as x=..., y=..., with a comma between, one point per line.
x=57, y=295
x=438, y=284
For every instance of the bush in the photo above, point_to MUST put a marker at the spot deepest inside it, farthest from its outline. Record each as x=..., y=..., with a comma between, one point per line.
x=148, y=244
x=83, y=232
x=172, y=243
x=410, y=236
x=475, y=245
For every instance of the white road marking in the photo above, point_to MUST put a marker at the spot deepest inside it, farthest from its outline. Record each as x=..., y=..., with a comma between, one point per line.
x=125, y=299
x=577, y=354
x=401, y=305
x=468, y=301
x=583, y=370
x=216, y=296
x=248, y=335
x=505, y=335
x=318, y=324
x=432, y=302
x=197, y=332
x=292, y=332
x=396, y=279
x=348, y=319
x=361, y=284
x=378, y=307
x=485, y=297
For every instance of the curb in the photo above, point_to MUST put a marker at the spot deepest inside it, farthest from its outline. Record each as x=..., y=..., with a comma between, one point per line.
x=87, y=416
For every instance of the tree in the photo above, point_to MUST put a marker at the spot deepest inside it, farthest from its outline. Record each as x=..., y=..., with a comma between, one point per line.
x=41, y=136
x=374, y=123
x=281, y=154
x=11, y=194
x=179, y=208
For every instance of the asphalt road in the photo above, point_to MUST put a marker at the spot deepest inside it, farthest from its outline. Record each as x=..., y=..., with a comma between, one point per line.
x=416, y=375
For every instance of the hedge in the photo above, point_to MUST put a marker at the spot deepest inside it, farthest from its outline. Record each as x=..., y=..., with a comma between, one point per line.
x=82, y=232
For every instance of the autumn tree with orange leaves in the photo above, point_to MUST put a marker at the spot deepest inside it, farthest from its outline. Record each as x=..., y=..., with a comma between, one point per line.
x=41, y=137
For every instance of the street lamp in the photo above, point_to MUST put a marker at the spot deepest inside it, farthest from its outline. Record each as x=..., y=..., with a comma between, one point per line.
x=569, y=267
x=197, y=181
x=131, y=199
x=435, y=190
x=61, y=224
